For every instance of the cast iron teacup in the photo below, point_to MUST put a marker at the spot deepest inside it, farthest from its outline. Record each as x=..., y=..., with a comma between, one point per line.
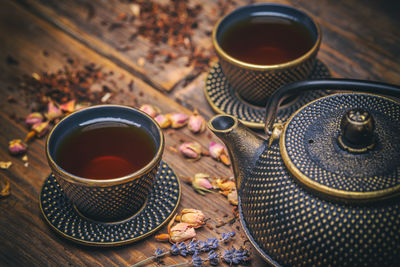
x=107, y=199
x=256, y=82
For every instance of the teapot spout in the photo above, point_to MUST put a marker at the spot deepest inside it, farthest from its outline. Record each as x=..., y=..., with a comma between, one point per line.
x=244, y=147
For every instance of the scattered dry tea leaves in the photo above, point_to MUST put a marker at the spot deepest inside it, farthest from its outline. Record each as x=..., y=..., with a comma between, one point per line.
x=4, y=187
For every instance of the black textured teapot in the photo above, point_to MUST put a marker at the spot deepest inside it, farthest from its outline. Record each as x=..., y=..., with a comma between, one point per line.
x=323, y=188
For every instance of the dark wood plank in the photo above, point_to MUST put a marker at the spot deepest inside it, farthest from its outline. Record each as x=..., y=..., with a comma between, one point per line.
x=26, y=239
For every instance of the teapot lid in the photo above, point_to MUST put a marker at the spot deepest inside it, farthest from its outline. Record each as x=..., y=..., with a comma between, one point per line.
x=345, y=146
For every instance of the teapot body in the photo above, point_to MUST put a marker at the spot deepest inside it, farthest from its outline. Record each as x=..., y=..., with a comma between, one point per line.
x=294, y=227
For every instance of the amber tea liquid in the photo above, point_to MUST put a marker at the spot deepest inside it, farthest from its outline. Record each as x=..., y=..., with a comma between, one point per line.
x=105, y=150
x=266, y=40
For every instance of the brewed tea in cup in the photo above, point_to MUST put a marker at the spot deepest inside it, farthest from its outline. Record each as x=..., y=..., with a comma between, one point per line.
x=262, y=47
x=105, y=159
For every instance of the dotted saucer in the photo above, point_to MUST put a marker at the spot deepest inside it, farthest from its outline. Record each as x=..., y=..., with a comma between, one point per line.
x=224, y=101
x=61, y=215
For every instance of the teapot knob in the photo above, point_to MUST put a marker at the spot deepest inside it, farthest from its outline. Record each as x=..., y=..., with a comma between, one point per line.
x=357, y=131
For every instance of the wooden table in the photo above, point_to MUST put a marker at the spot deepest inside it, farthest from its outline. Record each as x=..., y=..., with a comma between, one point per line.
x=361, y=39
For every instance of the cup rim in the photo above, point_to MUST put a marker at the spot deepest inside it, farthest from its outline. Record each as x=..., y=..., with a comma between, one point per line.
x=279, y=66
x=59, y=171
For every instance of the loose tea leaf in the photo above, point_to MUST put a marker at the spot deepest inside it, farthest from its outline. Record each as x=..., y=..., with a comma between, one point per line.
x=4, y=187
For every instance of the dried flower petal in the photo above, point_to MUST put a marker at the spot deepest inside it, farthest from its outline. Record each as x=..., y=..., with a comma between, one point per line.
x=36, y=76
x=41, y=128
x=191, y=149
x=163, y=121
x=17, y=147
x=162, y=237
x=226, y=184
x=194, y=218
x=152, y=111
x=34, y=118
x=53, y=112
x=233, y=197
x=5, y=164
x=196, y=123
x=218, y=152
x=68, y=106
x=29, y=136
x=181, y=232
x=4, y=187
x=178, y=120
x=201, y=183
x=80, y=106
x=135, y=8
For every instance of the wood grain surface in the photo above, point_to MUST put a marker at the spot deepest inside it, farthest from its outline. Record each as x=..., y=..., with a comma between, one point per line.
x=361, y=39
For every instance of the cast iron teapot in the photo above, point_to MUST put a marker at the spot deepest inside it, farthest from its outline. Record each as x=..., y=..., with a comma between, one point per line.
x=323, y=188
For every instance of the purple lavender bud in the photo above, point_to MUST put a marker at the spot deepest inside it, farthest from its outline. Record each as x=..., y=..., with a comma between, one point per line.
x=158, y=252
x=227, y=256
x=232, y=234
x=192, y=247
x=197, y=261
x=183, y=249
x=203, y=246
x=213, y=243
x=174, y=249
x=213, y=258
x=225, y=237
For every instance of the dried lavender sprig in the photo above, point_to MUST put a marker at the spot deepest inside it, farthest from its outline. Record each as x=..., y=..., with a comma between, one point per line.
x=236, y=256
x=158, y=253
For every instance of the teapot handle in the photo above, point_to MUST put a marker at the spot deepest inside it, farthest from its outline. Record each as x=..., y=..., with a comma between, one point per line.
x=327, y=84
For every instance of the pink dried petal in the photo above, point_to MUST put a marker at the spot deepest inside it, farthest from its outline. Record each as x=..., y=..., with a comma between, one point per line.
x=196, y=123
x=150, y=110
x=53, y=112
x=201, y=183
x=181, y=232
x=41, y=128
x=178, y=120
x=163, y=121
x=215, y=150
x=191, y=149
x=17, y=147
x=68, y=106
x=34, y=118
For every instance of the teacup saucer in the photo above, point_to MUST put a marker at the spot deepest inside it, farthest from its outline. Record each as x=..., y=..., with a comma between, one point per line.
x=62, y=216
x=221, y=98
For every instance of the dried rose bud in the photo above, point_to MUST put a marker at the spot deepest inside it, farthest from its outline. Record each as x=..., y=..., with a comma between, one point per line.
x=178, y=120
x=41, y=128
x=226, y=185
x=17, y=147
x=191, y=150
x=201, y=184
x=53, y=112
x=181, y=232
x=34, y=118
x=150, y=110
x=196, y=123
x=218, y=152
x=68, y=106
x=194, y=218
x=163, y=121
